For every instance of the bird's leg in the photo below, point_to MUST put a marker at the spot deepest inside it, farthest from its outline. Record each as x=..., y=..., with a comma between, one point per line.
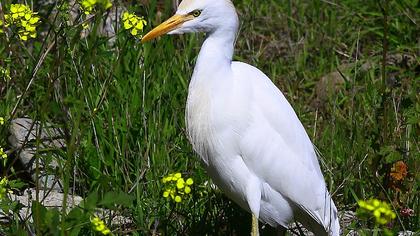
x=254, y=230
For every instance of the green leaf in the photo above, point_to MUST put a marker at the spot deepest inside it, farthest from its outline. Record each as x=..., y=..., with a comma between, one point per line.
x=74, y=219
x=90, y=202
x=390, y=153
x=45, y=219
x=113, y=198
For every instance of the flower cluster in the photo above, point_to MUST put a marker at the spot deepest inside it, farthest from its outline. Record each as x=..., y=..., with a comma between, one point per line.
x=399, y=171
x=1, y=120
x=88, y=6
x=2, y=153
x=177, y=187
x=1, y=26
x=407, y=212
x=24, y=19
x=4, y=182
x=133, y=23
x=4, y=73
x=99, y=225
x=380, y=210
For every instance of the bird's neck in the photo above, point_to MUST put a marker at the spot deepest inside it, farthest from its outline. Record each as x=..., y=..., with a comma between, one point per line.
x=218, y=46
x=215, y=56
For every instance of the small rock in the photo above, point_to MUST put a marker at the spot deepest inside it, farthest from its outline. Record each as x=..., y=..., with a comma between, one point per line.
x=50, y=182
x=26, y=156
x=347, y=218
x=297, y=227
x=117, y=220
x=53, y=199
x=21, y=128
x=46, y=198
x=406, y=233
x=24, y=133
x=402, y=59
x=327, y=86
x=365, y=67
x=352, y=233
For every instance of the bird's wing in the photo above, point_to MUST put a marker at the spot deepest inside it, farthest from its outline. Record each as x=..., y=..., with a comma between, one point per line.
x=275, y=146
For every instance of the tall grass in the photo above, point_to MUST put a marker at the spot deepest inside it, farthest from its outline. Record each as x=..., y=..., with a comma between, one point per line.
x=121, y=106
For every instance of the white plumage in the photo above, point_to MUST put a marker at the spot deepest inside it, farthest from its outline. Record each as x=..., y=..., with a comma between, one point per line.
x=248, y=136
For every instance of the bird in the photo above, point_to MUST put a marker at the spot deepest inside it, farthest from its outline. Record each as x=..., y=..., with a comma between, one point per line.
x=246, y=133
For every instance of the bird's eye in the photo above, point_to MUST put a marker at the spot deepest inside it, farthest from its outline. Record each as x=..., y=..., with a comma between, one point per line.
x=196, y=13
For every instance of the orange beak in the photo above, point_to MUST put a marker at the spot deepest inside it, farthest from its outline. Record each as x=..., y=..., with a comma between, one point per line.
x=171, y=24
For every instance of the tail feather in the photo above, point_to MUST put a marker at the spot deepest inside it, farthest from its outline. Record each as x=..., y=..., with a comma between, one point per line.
x=323, y=221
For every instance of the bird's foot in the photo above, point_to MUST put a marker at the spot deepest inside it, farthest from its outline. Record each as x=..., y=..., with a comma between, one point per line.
x=254, y=230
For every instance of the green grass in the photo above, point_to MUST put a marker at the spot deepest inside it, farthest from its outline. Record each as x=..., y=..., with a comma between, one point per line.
x=121, y=107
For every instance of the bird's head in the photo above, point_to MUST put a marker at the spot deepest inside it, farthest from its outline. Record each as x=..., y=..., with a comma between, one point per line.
x=198, y=16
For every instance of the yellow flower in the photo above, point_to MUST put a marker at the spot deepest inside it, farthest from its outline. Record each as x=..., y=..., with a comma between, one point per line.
x=379, y=209
x=3, y=154
x=85, y=26
x=370, y=207
x=135, y=24
x=3, y=187
x=125, y=16
x=377, y=213
x=180, y=183
x=7, y=20
x=34, y=20
x=88, y=6
x=127, y=25
x=108, y=5
x=24, y=19
x=22, y=8
x=134, y=32
x=4, y=181
x=140, y=25
x=5, y=74
x=172, y=193
x=30, y=28
x=176, y=187
x=1, y=120
x=27, y=16
x=99, y=225
x=23, y=37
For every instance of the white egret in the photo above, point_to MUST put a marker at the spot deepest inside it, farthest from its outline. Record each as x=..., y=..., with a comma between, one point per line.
x=247, y=134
